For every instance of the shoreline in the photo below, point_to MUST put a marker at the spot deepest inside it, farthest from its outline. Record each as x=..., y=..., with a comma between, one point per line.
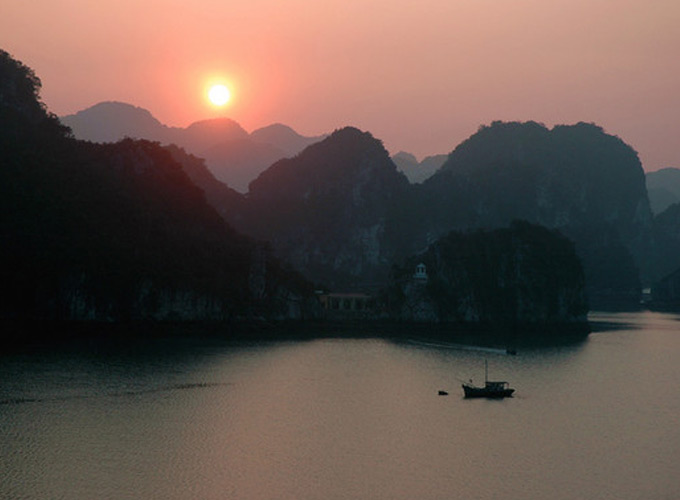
x=28, y=334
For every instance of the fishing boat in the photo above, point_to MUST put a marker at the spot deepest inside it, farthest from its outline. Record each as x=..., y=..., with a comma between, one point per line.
x=491, y=389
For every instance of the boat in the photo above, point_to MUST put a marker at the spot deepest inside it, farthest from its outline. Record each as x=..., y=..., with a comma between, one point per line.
x=491, y=389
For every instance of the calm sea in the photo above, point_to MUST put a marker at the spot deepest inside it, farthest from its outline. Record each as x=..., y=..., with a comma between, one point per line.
x=346, y=419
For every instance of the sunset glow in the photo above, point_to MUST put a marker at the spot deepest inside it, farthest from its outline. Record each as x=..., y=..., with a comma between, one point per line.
x=219, y=95
x=319, y=66
x=336, y=249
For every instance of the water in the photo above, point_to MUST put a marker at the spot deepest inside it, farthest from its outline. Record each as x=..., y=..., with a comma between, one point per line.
x=345, y=419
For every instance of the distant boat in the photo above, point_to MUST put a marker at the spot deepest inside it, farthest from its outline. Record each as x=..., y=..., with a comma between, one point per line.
x=491, y=389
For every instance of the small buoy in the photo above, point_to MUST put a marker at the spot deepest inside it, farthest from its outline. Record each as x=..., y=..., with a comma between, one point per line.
x=443, y=393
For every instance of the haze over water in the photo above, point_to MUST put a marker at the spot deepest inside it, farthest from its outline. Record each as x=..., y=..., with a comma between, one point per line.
x=345, y=418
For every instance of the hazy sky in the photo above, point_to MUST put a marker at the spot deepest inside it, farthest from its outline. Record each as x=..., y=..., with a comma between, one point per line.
x=420, y=75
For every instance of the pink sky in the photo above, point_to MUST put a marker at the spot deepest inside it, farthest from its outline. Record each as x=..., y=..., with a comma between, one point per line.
x=422, y=76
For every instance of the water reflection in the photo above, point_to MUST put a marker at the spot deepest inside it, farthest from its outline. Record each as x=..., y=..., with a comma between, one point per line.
x=203, y=418
x=605, y=321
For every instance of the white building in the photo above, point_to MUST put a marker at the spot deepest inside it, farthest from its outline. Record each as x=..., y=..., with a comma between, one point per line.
x=421, y=273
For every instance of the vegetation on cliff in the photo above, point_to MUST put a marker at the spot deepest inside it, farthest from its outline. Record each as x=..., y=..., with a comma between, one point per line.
x=114, y=222
x=115, y=231
x=578, y=179
x=342, y=213
x=523, y=274
x=330, y=210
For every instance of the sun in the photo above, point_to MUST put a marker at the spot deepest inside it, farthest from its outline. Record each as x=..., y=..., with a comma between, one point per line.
x=219, y=95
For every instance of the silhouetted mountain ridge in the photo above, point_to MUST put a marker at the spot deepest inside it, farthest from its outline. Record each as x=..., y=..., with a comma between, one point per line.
x=111, y=121
x=416, y=171
x=234, y=156
x=500, y=276
x=575, y=178
x=329, y=209
x=341, y=211
x=284, y=138
x=117, y=231
x=663, y=188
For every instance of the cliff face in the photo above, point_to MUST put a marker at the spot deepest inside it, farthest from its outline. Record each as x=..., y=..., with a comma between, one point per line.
x=667, y=241
x=115, y=231
x=330, y=210
x=578, y=179
x=341, y=213
x=221, y=197
x=524, y=274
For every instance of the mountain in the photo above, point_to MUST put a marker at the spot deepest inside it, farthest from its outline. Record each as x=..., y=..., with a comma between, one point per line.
x=499, y=277
x=233, y=155
x=663, y=188
x=204, y=134
x=342, y=212
x=117, y=231
x=667, y=241
x=220, y=196
x=430, y=164
x=330, y=210
x=415, y=171
x=284, y=138
x=238, y=162
x=406, y=163
x=111, y=121
x=578, y=179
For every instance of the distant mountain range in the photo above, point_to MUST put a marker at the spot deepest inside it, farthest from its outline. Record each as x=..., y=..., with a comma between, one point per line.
x=416, y=171
x=343, y=212
x=663, y=187
x=330, y=210
x=120, y=231
x=233, y=155
x=576, y=178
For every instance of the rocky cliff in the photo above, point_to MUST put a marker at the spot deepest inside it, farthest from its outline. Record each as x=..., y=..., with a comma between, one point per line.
x=521, y=275
x=342, y=213
x=578, y=179
x=117, y=231
x=330, y=211
x=667, y=242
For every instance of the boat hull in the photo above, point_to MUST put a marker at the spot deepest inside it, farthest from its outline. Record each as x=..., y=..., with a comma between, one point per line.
x=483, y=392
